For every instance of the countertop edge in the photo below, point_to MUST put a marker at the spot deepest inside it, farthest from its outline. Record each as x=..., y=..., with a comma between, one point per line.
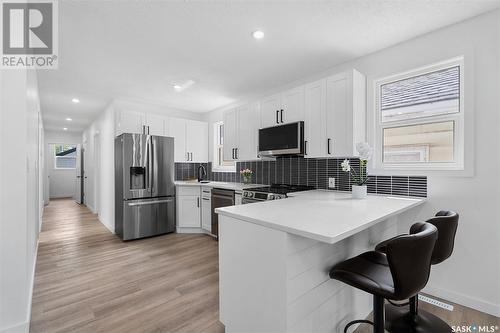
x=318, y=237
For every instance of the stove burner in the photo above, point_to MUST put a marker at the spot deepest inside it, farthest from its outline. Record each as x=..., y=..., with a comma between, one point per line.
x=273, y=192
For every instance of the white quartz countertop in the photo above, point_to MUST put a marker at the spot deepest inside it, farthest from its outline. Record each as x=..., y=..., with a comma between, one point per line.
x=212, y=184
x=326, y=216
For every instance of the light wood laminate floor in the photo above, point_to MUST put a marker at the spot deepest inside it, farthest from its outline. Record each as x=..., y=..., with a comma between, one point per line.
x=88, y=280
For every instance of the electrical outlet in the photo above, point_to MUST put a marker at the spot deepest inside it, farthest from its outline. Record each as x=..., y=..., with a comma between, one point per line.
x=331, y=182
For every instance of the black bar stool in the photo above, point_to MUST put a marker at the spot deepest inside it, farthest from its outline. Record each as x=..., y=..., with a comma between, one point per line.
x=401, y=320
x=398, y=274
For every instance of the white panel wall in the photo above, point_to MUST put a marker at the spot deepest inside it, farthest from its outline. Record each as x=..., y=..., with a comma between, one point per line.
x=476, y=197
x=61, y=183
x=19, y=191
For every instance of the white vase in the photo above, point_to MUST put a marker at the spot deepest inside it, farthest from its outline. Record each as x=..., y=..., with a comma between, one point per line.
x=359, y=192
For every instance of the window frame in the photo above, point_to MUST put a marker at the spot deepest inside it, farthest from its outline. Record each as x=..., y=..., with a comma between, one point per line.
x=216, y=167
x=58, y=157
x=457, y=118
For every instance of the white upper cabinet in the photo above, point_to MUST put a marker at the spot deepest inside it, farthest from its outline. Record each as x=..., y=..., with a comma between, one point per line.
x=231, y=130
x=270, y=111
x=315, y=114
x=241, y=126
x=197, y=141
x=128, y=121
x=335, y=110
x=286, y=107
x=157, y=124
x=190, y=140
x=248, y=130
x=177, y=130
x=292, y=105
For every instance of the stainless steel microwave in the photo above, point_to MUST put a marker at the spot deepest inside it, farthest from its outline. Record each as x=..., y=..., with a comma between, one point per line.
x=287, y=139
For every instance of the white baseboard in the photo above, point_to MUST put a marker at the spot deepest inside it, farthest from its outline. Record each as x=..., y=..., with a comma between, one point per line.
x=92, y=209
x=106, y=225
x=465, y=300
x=24, y=327
x=18, y=328
x=180, y=230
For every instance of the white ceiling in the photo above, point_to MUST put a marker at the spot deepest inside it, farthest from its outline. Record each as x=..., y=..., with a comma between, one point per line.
x=137, y=50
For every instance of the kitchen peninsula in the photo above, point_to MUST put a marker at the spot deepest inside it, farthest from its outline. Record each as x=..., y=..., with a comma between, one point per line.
x=274, y=258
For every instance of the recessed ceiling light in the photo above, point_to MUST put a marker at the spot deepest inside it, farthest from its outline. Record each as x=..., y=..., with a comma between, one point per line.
x=258, y=34
x=69, y=119
x=183, y=86
x=65, y=128
x=75, y=100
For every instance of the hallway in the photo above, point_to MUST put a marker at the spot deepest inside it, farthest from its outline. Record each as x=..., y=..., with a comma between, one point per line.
x=88, y=280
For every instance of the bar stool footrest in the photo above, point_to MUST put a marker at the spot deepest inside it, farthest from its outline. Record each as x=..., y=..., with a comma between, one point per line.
x=400, y=320
x=354, y=322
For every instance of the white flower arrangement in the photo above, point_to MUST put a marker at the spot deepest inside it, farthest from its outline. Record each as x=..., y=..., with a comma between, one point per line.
x=247, y=175
x=246, y=172
x=365, y=154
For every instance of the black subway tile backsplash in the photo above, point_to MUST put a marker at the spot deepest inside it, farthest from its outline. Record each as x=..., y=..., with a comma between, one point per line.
x=311, y=172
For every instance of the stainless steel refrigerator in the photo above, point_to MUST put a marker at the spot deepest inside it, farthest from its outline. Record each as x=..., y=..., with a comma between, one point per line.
x=144, y=186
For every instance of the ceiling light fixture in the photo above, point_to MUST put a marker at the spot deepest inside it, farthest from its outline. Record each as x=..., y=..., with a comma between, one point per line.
x=69, y=119
x=65, y=128
x=258, y=34
x=183, y=86
x=75, y=100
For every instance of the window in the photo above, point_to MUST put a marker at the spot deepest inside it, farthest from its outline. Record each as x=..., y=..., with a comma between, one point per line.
x=420, y=118
x=219, y=163
x=64, y=156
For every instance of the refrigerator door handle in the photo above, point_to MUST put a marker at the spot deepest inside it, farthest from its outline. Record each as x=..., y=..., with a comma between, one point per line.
x=154, y=202
x=151, y=163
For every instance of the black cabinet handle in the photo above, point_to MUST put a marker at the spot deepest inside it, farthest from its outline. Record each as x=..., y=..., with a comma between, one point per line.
x=277, y=115
x=328, y=145
x=305, y=147
x=198, y=201
x=282, y=116
x=236, y=152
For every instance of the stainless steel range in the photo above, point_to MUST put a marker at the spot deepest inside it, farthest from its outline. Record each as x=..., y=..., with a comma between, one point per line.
x=273, y=192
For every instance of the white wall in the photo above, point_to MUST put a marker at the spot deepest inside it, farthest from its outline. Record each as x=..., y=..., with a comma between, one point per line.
x=19, y=195
x=471, y=275
x=60, y=183
x=100, y=196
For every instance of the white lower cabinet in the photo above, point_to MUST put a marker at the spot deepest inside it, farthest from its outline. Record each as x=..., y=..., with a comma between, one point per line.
x=237, y=198
x=206, y=209
x=188, y=207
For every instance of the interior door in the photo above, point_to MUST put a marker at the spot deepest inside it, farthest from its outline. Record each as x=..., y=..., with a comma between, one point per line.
x=79, y=176
x=292, y=105
x=270, y=111
x=315, y=126
x=230, y=134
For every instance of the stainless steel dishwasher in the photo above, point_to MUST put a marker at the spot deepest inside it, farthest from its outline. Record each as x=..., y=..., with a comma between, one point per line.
x=220, y=198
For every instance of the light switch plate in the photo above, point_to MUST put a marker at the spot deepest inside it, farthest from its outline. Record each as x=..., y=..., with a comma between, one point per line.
x=331, y=182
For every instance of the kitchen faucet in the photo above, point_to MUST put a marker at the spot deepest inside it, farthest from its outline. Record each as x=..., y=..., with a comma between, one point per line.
x=203, y=172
